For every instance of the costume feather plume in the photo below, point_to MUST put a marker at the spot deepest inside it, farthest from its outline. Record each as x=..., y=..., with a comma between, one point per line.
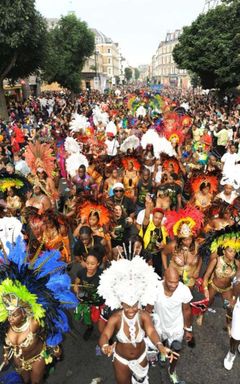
x=130, y=143
x=40, y=155
x=34, y=283
x=129, y=282
x=10, y=230
x=135, y=163
x=100, y=116
x=189, y=215
x=160, y=144
x=141, y=111
x=71, y=145
x=79, y=123
x=103, y=212
x=16, y=181
x=197, y=181
x=74, y=161
x=169, y=163
x=228, y=236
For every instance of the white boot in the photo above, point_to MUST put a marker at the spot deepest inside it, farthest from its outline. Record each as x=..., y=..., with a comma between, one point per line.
x=229, y=360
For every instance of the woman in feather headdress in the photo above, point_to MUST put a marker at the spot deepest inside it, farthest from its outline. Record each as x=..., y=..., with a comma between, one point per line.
x=222, y=247
x=203, y=187
x=183, y=227
x=33, y=298
x=41, y=161
x=127, y=286
x=130, y=176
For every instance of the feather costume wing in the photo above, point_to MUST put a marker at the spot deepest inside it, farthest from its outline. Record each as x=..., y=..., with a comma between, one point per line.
x=34, y=283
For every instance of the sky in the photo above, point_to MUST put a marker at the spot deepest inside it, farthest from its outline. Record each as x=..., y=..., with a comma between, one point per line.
x=137, y=25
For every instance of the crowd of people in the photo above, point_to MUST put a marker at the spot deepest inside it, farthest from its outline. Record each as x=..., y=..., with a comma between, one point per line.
x=135, y=195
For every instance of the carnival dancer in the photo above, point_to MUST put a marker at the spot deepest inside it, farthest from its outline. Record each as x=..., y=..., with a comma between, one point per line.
x=129, y=286
x=235, y=329
x=85, y=286
x=184, y=226
x=153, y=233
x=33, y=298
x=221, y=269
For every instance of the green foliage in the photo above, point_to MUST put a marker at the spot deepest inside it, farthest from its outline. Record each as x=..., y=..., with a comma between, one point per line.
x=136, y=73
x=70, y=44
x=128, y=73
x=22, y=38
x=210, y=47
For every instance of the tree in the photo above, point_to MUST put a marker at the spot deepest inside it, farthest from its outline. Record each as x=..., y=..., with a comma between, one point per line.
x=210, y=47
x=71, y=42
x=136, y=73
x=22, y=43
x=128, y=73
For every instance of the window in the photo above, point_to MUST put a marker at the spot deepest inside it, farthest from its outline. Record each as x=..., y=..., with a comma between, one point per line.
x=109, y=71
x=109, y=61
x=109, y=50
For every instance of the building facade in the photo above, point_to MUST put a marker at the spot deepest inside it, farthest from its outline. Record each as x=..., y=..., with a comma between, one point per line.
x=164, y=69
x=104, y=68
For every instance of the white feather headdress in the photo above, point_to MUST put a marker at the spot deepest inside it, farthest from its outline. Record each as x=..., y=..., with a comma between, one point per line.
x=141, y=111
x=10, y=229
x=231, y=176
x=100, y=116
x=160, y=144
x=71, y=145
x=131, y=142
x=129, y=282
x=74, y=161
x=79, y=123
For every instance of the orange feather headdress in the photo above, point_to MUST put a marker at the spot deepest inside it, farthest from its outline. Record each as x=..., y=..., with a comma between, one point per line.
x=127, y=160
x=196, y=182
x=88, y=208
x=40, y=155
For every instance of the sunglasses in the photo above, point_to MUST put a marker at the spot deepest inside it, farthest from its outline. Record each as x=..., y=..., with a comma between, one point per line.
x=118, y=190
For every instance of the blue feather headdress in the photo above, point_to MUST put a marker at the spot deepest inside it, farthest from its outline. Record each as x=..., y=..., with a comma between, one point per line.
x=42, y=284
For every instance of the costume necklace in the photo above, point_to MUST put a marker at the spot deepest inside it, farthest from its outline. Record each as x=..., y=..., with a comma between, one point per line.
x=132, y=328
x=92, y=245
x=23, y=327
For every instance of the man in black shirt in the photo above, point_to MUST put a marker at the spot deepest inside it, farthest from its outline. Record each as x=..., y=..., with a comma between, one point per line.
x=118, y=198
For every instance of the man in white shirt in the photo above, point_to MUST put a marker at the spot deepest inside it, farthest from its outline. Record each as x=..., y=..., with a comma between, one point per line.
x=173, y=315
x=112, y=145
x=229, y=159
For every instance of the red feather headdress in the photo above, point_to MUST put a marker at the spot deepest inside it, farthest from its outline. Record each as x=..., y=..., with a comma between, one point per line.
x=184, y=222
x=175, y=134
